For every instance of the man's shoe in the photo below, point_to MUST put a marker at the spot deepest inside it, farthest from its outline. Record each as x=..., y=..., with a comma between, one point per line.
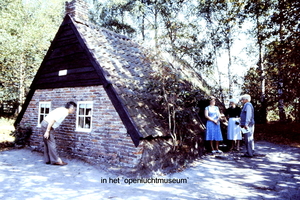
x=247, y=155
x=61, y=164
x=47, y=163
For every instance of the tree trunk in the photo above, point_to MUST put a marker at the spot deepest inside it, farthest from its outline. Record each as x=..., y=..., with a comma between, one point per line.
x=263, y=109
x=221, y=96
x=143, y=20
x=230, y=91
x=155, y=25
x=298, y=110
x=21, y=86
x=282, y=115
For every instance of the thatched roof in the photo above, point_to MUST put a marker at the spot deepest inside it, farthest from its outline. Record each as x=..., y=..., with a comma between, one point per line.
x=118, y=63
x=127, y=66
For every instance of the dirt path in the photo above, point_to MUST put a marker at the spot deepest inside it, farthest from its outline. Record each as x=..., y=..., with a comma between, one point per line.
x=274, y=174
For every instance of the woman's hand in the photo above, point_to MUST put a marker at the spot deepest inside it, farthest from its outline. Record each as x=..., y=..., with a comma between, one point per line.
x=245, y=127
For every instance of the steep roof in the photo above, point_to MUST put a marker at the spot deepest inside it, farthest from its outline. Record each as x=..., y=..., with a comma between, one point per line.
x=128, y=70
x=97, y=56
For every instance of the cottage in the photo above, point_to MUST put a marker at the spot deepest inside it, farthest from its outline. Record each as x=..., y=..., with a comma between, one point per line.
x=108, y=76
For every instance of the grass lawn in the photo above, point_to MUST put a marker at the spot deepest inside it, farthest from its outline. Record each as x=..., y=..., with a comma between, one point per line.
x=6, y=127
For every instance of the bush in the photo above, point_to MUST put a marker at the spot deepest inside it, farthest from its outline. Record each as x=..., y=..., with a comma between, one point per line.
x=279, y=133
x=22, y=134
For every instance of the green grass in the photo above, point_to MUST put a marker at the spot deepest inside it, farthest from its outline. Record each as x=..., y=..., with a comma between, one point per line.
x=6, y=127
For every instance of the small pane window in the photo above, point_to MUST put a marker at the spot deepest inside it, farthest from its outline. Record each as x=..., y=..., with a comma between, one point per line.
x=63, y=72
x=44, y=109
x=84, y=116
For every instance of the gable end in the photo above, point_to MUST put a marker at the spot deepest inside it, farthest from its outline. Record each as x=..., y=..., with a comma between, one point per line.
x=67, y=53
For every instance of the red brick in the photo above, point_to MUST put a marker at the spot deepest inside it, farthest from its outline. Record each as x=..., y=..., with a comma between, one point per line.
x=111, y=141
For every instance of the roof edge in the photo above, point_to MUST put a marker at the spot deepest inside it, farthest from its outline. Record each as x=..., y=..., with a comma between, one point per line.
x=112, y=94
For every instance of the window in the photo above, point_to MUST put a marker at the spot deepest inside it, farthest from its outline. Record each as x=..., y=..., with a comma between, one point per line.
x=62, y=72
x=44, y=109
x=84, y=116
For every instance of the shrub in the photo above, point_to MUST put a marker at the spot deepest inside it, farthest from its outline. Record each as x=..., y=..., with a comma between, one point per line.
x=22, y=134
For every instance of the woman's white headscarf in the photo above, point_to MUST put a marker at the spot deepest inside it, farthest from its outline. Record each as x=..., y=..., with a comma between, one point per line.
x=235, y=101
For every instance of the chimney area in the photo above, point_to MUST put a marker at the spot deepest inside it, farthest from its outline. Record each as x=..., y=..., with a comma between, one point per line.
x=78, y=10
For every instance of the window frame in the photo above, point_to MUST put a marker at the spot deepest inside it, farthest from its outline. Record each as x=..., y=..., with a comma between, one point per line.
x=80, y=129
x=45, y=114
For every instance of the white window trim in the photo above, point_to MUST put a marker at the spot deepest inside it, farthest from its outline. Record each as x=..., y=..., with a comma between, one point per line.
x=77, y=116
x=39, y=114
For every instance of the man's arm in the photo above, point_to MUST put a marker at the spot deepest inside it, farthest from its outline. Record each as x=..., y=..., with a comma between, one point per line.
x=248, y=116
x=47, y=133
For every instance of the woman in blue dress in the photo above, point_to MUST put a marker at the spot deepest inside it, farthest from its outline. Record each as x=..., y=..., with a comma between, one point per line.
x=213, y=129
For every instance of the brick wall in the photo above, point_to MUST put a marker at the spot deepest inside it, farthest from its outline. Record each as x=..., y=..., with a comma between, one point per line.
x=108, y=142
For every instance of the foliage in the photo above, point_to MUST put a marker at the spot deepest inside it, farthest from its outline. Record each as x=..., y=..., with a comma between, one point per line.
x=178, y=104
x=24, y=41
x=169, y=26
x=193, y=33
x=222, y=20
x=251, y=85
x=283, y=54
x=196, y=33
x=22, y=134
x=6, y=127
x=279, y=33
x=279, y=133
x=112, y=15
x=258, y=12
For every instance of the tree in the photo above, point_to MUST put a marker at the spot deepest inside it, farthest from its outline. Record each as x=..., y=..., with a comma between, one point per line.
x=24, y=40
x=116, y=15
x=258, y=12
x=283, y=55
x=223, y=21
x=277, y=29
x=252, y=81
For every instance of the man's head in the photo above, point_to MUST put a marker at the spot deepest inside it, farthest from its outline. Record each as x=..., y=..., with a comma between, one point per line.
x=245, y=98
x=71, y=106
